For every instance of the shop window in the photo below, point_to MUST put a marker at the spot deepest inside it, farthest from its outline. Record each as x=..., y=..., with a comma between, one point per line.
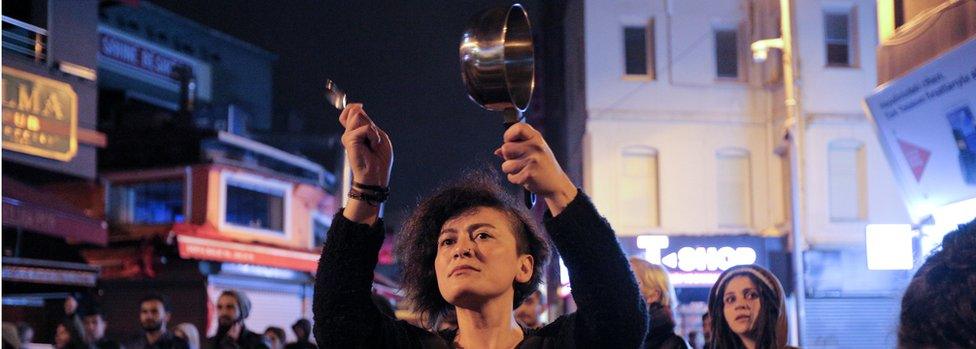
x=147, y=203
x=734, y=188
x=639, y=50
x=847, y=182
x=255, y=203
x=638, y=191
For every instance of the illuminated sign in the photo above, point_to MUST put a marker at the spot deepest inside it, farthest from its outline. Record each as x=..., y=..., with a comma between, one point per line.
x=889, y=246
x=696, y=261
x=136, y=58
x=40, y=116
x=192, y=247
x=134, y=55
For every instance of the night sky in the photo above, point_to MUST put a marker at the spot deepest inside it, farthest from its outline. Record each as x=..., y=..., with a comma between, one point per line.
x=400, y=58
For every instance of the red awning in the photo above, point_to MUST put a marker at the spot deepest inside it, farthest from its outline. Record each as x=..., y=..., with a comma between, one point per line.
x=35, y=210
x=195, y=242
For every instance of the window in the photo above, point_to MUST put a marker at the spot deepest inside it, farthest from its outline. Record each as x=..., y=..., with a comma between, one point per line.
x=147, y=203
x=256, y=204
x=320, y=227
x=638, y=192
x=639, y=50
x=726, y=53
x=734, y=188
x=837, y=37
x=846, y=180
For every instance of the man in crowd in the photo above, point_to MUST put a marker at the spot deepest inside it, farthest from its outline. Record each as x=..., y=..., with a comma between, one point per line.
x=531, y=310
x=93, y=319
x=302, y=329
x=154, y=313
x=232, y=308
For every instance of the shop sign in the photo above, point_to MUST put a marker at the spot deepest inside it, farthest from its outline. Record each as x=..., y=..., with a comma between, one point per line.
x=696, y=261
x=137, y=56
x=192, y=247
x=49, y=276
x=926, y=124
x=40, y=116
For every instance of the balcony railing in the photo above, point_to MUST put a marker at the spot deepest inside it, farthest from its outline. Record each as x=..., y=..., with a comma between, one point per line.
x=25, y=39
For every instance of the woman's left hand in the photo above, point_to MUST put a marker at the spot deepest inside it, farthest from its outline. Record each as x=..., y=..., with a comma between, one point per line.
x=530, y=163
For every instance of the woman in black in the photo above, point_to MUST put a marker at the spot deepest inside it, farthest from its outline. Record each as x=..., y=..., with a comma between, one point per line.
x=471, y=249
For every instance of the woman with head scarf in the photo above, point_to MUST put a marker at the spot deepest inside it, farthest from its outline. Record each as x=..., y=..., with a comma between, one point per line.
x=748, y=309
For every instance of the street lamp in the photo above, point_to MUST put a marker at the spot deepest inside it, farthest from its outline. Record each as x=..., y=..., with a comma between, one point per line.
x=795, y=125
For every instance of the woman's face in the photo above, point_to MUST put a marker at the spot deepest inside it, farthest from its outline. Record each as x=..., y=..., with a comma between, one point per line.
x=477, y=258
x=61, y=337
x=741, y=305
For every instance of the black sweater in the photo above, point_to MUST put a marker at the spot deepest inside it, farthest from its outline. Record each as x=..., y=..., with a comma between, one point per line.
x=610, y=312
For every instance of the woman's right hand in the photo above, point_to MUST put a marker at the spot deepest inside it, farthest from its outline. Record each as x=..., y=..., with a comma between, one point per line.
x=370, y=156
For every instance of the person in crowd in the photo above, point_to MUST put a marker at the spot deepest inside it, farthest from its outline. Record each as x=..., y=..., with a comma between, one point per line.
x=154, y=314
x=26, y=333
x=71, y=302
x=655, y=287
x=302, y=329
x=232, y=308
x=93, y=319
x=694, y=340
x=748, y=310
x=938, y=309
x=11, y=340
x=706, y=330
x=473, y=249
x=274, y=337
x=529, y=313
x=187, y=332
x=68, y=335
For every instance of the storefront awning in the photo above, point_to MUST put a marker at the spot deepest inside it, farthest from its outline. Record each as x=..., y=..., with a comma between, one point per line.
x=192, y=246
x=31, y=209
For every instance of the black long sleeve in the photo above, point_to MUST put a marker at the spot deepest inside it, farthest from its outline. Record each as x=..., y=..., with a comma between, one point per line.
x=611, y=313
x=344, y=313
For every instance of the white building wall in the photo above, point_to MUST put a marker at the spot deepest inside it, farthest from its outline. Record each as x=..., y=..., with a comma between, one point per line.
x=883, y=199
x=686, y=114
x=831, y=102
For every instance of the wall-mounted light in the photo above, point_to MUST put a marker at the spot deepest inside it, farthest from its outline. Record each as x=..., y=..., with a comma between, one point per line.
x=760, y=49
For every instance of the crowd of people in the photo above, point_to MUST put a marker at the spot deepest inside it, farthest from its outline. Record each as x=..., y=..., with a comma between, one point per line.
x=83, y=327
x=473, y=256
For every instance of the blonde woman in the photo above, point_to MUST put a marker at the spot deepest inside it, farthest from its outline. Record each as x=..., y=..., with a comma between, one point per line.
x=657, y=291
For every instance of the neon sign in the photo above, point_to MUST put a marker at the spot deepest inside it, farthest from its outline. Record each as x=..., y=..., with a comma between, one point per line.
x=697, y=260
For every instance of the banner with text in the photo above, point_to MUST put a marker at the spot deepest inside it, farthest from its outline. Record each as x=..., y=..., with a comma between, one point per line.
x=926, y=123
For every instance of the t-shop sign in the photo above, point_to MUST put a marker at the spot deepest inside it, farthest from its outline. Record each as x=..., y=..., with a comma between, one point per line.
x=192, y=247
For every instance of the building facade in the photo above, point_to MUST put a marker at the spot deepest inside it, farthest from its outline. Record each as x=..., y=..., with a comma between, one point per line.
x=50, y=140
x=687, y=137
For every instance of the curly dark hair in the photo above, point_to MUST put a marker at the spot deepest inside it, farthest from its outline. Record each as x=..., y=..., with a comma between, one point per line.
x=939, y=307
x=766, y=323
x=417, y=241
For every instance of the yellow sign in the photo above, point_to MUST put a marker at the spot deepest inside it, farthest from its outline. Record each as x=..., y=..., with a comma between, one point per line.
x=40, y=116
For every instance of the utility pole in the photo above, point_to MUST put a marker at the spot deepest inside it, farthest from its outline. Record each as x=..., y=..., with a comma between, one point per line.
x=796, y=125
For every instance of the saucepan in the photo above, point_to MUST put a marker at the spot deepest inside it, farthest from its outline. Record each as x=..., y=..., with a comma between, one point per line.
x=498, y=64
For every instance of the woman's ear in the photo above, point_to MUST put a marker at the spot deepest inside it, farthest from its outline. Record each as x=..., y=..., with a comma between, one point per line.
x=526, y=267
